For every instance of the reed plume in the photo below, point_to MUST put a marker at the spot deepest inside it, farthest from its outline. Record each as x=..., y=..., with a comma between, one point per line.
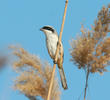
x=34, y=76
x=91, y=50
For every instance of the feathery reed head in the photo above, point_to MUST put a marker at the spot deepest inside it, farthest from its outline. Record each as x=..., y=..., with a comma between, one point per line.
x=34, y=76
x=92, y=49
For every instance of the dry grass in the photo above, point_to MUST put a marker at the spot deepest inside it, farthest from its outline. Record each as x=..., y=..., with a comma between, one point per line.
x=34, y=76
x=91, y=50
x=3, y=60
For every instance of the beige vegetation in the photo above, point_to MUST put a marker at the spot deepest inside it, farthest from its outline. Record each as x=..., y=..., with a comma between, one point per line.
x=34, y=76
x=3, y=60
x=91, y=50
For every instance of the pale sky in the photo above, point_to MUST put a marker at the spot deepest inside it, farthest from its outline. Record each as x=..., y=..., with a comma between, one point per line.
x=20, y=21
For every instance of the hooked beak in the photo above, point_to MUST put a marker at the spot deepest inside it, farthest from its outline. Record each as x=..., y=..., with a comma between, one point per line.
x=41, y=29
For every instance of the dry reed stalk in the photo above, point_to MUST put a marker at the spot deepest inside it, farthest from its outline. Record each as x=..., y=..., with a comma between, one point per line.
x=56, y=54
x=86, y=85
x=91, y=50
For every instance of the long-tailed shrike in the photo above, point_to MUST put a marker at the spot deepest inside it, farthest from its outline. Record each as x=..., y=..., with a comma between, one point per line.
x=51, y=43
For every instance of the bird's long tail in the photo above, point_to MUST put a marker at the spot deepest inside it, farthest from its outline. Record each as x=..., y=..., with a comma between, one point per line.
x=63, y=79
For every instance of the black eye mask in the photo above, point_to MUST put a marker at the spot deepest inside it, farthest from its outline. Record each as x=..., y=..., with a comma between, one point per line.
x=48, y=28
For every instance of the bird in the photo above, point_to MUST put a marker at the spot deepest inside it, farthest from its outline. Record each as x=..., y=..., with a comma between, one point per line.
x=51, y=44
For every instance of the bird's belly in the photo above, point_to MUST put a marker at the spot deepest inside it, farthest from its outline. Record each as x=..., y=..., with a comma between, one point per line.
x=51, y=46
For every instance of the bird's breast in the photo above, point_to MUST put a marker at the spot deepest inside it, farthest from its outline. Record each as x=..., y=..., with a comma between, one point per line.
x=52, y=44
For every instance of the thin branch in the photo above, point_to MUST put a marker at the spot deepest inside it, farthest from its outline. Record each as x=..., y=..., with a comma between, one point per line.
x=86, y=86
x=56, y=54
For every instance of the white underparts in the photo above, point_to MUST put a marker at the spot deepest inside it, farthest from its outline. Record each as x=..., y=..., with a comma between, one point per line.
x=51, y=41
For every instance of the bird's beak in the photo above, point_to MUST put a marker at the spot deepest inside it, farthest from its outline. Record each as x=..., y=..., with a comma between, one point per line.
x=41, y=29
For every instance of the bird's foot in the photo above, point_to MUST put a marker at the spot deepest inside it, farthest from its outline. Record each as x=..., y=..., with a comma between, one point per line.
x=58, y=43
x=55, y=62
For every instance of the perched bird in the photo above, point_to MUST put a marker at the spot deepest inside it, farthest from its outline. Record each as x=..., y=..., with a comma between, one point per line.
x=51, y=43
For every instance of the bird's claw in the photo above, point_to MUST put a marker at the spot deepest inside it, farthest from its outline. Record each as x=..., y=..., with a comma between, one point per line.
x=58, y=43
x=55, y=62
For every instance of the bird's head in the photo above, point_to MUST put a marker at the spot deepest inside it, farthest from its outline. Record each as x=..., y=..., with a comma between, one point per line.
x=48, y=30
